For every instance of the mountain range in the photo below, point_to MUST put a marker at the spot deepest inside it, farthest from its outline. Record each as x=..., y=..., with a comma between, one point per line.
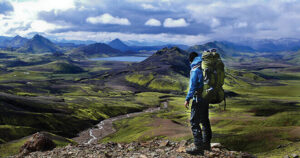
x=270, y=45
x=14, y=42
x=40, y=44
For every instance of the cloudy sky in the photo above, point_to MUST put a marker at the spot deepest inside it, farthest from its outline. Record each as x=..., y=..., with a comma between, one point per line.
x=172, y=21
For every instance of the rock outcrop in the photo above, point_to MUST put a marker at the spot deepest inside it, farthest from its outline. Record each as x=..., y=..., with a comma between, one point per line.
x=148, y=149
x=38, y=142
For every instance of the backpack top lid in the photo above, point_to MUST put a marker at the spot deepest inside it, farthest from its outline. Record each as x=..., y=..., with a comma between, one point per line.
x=210, y=55
x=197, y=61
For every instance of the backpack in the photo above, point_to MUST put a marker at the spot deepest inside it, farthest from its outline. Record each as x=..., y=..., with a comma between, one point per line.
x=213, y=76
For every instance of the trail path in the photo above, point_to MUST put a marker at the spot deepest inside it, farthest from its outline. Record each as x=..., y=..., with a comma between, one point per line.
x=105, y=127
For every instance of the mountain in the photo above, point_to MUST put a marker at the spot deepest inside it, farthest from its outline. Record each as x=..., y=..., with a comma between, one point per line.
x=118, y=44
x=167, y=59
x=95, y=50
x=164, y=71
x=39, y=44
x=4, y=40
x=251, y=45
x=235, y=47
x=271, y=45
x=16, y=42
x=292, y=57
x=226, y=49
x=219, y=46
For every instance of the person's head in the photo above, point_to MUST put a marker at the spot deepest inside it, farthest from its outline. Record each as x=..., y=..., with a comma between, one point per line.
x=192, y=56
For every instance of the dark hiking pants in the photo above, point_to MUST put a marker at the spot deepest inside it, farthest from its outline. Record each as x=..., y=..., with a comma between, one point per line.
x=199, y=115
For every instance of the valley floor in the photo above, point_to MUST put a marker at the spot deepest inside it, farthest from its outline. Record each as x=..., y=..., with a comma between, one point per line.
x=263, y=118
x=262, y=115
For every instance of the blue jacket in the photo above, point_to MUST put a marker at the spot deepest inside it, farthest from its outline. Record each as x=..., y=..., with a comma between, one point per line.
x=196, y=78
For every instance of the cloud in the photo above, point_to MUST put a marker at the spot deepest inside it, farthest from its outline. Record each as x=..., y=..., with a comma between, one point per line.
x=5, y=7
x=240, y=24
x=169, y=22
x=153, y=22
x=215, y=22
x=108, y=19
x=213, y=19
x=43, y=26
x=25, y=16
x=149, y=7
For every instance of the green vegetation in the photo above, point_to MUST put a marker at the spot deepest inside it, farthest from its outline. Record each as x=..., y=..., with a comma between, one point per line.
x=60, y=67
x=151, y=99
x=163, y=83
x=9, y=132
x=169, y=83
x=279, y=153
x=140, y=79
x=11, y=148
x=41, y=92
x=260, y=119
x=132, y=129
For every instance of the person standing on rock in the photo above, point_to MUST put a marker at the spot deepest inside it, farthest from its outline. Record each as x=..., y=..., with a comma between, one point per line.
x=199, y=108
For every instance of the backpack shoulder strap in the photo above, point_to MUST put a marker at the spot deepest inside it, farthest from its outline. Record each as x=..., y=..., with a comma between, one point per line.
x=195, y=67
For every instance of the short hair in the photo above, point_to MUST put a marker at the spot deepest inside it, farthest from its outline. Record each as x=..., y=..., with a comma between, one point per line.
x=192, y=56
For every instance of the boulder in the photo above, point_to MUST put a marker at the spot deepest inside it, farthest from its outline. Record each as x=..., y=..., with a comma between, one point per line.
x=38, y=142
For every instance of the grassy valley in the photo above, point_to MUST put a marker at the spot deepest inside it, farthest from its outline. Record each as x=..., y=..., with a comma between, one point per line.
x=262, y=115
x=64, y=94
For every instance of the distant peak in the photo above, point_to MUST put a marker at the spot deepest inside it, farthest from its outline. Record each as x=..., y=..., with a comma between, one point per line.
x=176, y=48
x=117, y=39
x=118, y=44
x=169, y=50
x=38, y=36
x=18, y=36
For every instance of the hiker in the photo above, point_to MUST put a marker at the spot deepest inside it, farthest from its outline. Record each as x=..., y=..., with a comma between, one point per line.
x=199, y=108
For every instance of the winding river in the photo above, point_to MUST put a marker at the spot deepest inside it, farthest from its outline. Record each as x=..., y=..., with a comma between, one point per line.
x=105, y=127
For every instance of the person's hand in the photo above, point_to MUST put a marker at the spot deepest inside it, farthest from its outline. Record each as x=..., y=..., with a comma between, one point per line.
x=186, y=104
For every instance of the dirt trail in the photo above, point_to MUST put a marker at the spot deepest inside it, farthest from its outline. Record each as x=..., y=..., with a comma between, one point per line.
x=105, y=127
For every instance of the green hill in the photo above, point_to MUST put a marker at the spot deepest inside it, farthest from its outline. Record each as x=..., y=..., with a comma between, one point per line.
x=63, y=67
x=166, y=70
x=94, y=50
x=292, y=57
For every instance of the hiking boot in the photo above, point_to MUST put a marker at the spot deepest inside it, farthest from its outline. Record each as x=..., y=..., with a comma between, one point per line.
x=197, y=150
x=206, y=146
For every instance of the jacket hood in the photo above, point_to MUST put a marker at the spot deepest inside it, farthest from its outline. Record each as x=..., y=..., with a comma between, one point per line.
x=196, y=61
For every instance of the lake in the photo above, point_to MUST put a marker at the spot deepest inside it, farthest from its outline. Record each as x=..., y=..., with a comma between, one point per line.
x=122, y=58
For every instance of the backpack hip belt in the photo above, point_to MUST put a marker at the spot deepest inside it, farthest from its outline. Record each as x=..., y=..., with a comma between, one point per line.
x=198, y=94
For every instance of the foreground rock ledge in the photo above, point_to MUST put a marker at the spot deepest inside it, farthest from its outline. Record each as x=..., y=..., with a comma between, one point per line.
x=38, y=142
x=149, y=149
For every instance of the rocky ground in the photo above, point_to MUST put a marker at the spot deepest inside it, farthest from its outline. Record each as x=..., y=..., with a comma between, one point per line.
x=154, y=148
